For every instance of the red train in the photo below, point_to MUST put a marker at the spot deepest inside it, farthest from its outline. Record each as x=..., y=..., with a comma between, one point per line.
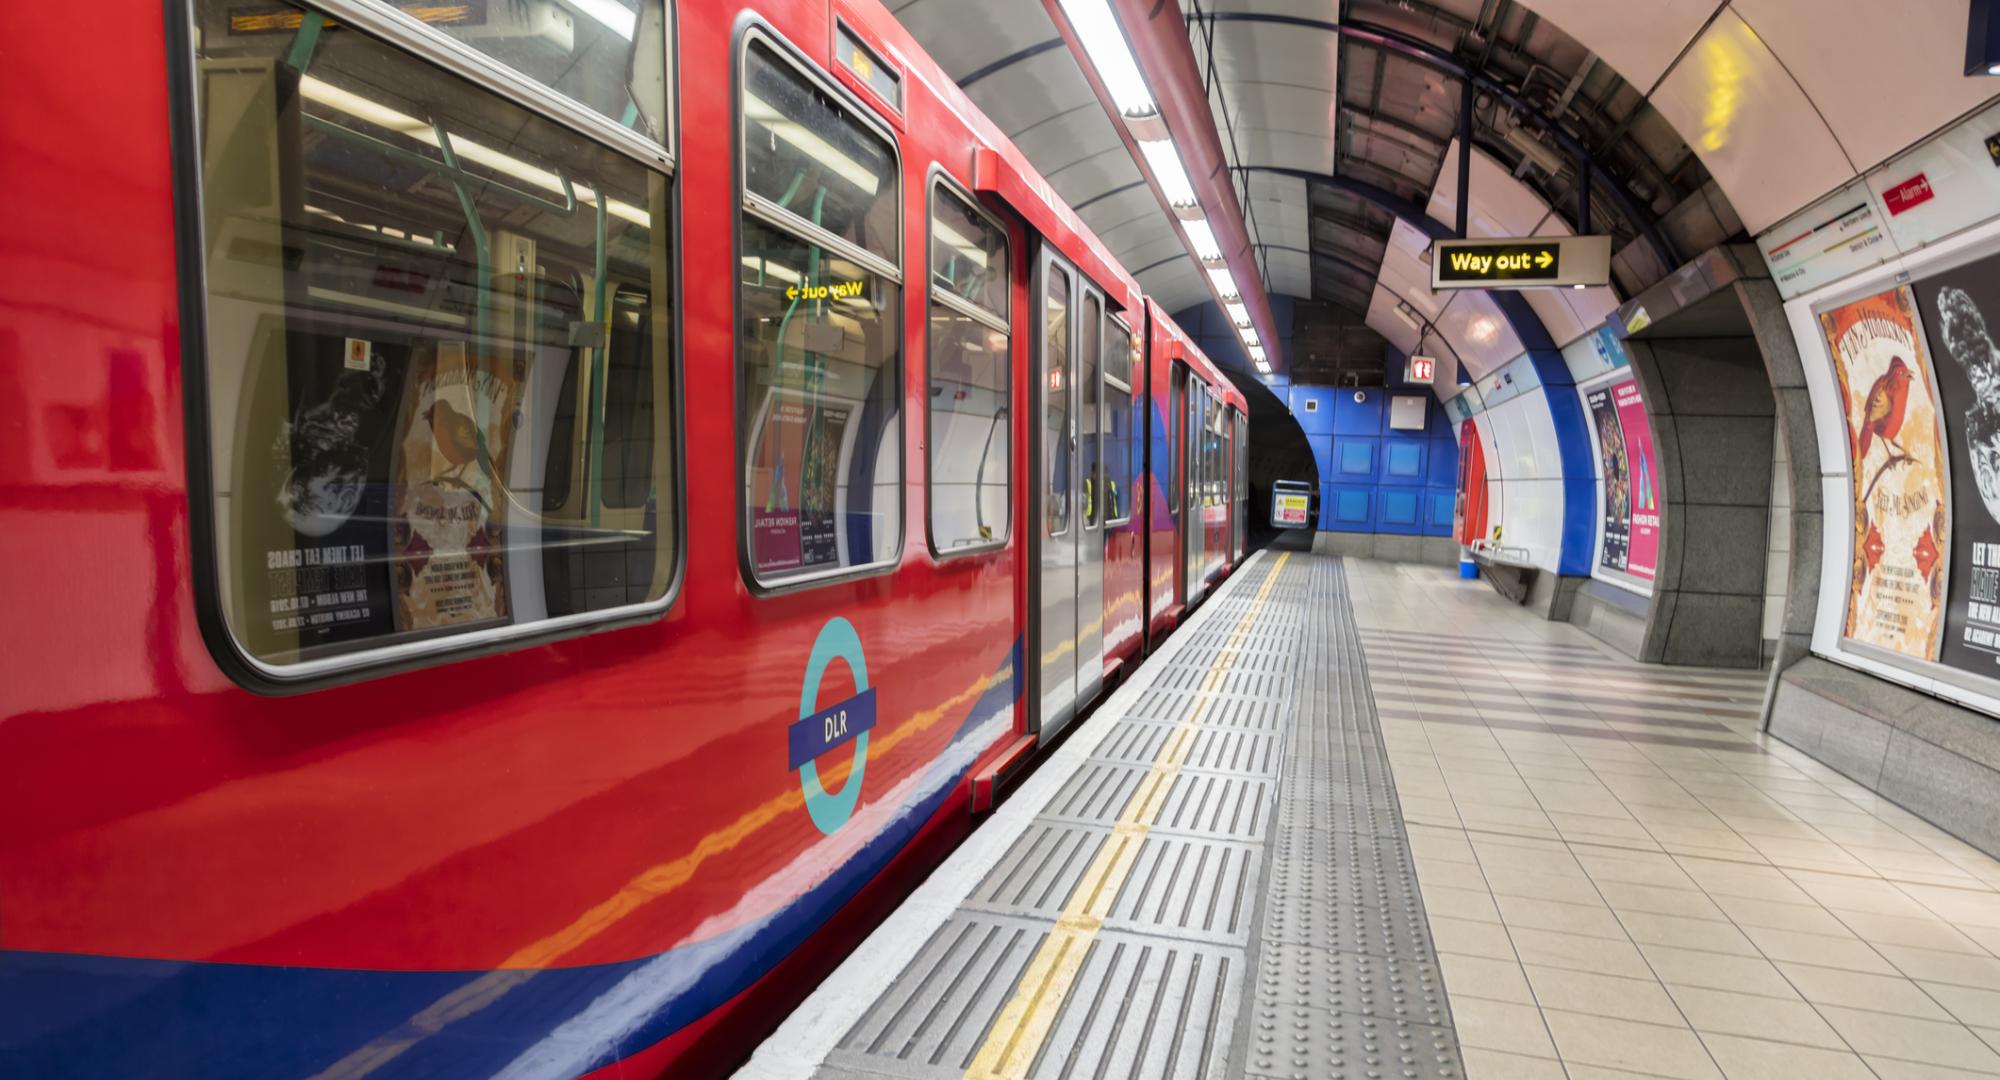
x=528, y=522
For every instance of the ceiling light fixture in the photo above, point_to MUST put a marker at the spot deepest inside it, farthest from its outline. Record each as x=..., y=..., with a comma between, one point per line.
x=1238, y=314
x=1104, y=42
x=1165, y=163
x=1224, y=282
x=1203, y=239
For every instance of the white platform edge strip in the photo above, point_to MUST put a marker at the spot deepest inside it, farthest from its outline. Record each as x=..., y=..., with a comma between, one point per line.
x=802, y=1043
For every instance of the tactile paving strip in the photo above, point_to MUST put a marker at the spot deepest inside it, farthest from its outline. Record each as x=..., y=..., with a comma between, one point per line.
x=1347, y=982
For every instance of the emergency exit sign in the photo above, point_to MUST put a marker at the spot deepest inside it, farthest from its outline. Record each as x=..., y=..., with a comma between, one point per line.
x=1421, y=370
x=1529, y=263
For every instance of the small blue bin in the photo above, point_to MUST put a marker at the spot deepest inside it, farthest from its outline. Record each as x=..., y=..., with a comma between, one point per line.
x=1468, y=569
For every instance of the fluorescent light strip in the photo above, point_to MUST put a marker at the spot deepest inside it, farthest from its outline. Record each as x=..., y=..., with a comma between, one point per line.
x=1250, y=338
x=1238, y=314
x=1165, y=163
x=1104, y=43
x=816, y=148
x=381, y=115
x=1203, y=239
x=958, y=242
x=1224, y=283
x=1257, y=353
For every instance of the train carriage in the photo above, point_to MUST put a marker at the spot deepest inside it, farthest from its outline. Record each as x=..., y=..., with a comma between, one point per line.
x=557, y=511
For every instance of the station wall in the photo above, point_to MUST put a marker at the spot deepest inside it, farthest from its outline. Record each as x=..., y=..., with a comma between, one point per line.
x=1375, y=478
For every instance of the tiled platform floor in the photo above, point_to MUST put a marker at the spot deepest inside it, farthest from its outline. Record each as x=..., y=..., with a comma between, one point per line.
x=1623, y=879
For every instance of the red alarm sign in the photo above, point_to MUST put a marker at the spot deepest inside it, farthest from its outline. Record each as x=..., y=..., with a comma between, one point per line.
x=1421, y=369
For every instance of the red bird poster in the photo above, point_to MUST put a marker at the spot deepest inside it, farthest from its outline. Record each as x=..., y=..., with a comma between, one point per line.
x=449, y=501
x=1895, y=590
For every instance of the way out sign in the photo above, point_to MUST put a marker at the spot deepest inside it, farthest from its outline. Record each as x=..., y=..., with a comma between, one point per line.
x=1521, y=264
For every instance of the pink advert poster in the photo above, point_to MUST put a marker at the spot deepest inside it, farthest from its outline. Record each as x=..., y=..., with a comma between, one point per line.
x=1644, y=551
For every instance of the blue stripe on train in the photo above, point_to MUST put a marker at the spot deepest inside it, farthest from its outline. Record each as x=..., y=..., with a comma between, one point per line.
x=67, y=1015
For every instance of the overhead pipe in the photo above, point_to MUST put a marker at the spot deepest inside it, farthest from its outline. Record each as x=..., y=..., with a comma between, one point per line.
x=1158, y=37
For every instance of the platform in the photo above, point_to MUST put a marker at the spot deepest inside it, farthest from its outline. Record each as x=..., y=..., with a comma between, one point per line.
x=1361, y=819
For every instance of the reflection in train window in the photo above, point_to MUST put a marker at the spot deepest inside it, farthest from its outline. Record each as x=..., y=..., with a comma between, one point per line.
x=819, y=388
x=438, y=358
x=1120, y=354
x=971, y=378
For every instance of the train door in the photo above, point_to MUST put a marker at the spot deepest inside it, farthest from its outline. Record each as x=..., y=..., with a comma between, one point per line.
x=1069, y=610
x=1194, y=472
x=1090, y=477
x=1240, y=516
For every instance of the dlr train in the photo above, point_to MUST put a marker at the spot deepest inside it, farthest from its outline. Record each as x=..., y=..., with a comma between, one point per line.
x=529, y=524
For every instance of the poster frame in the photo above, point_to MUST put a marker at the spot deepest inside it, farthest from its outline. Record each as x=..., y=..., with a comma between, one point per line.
x=1631, y=583
x=1836, y=482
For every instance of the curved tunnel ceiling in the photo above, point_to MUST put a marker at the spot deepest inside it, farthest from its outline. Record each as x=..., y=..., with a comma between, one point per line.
x=1313, y=98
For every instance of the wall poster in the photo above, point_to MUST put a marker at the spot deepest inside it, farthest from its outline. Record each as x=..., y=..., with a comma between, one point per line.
x=1631, y=523
x=1956, y=307
x=1617, y=525
x=455, y=438
x=1894, y=590
x=795, y=471
x=1643, y=469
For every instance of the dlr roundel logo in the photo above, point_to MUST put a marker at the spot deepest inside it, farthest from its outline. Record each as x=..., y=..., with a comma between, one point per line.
x=818, y=730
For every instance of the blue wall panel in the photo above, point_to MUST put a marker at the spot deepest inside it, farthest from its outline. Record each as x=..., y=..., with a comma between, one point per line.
x=1354, y=460
x=1402, y=511
x=1363, y=417
x=1443, y=510
x=1312, y=406
x=1403, y=461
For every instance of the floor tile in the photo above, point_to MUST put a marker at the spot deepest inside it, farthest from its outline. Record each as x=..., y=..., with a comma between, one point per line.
x=1932, y=1042
x=1501, y=1025
x=1603, y=995
x=1623, y=1044
x=1859, y=990
x=1753, y=1016
x=1758, y=1059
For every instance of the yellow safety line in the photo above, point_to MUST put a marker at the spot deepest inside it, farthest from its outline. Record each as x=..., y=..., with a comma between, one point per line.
x=1024, y=1023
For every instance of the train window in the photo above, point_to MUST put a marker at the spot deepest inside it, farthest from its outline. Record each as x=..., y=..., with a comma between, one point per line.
x=819, y=394
x=1055, y=424
x=1176, y=423
x=971, y=378
x=1089, y=407
x=808, y=160
x=438, y=358
x=1120, y=351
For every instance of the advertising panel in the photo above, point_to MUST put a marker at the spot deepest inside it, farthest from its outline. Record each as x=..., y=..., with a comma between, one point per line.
x=795, y=480
x=1617, y=480
x=1955, y=306
x=1894, y=588
x=455, y=436
x=1643, y=471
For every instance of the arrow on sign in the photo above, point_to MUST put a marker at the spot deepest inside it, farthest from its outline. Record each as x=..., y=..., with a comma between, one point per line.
x=1544, y=260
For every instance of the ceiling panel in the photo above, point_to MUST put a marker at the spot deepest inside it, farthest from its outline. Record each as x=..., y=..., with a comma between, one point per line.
x=1135, y=233
x=1501, y=205
x=1175, y=286
x=1478, y=332
x=1275, y=52
x=1118, y=207
x=1638, y=48
x=1912, y=50
x=1021, y=95
x=1286, y=150
x=1281, y=107
x=1735, y=104
x=1290, y=271
x=1107, y=170
x=964, y=37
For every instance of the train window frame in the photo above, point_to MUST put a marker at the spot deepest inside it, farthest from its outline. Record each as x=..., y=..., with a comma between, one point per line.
x=423, y=46
x=404, y=31
x=1091, y=337
x=1131, y=433
x=745, y=205
x=942, y=185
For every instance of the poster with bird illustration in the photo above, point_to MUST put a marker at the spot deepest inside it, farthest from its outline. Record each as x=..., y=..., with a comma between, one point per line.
x=1959, y=308
x=449, y=497
x=1901, y=525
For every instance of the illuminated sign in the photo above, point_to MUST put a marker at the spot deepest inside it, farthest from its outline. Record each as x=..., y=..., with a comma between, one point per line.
x=1909, y=194
x=839, y=290
x=1521, y=264
x=1421, y=370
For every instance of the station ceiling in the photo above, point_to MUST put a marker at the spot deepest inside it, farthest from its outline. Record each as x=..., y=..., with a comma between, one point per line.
x=1735, y=113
